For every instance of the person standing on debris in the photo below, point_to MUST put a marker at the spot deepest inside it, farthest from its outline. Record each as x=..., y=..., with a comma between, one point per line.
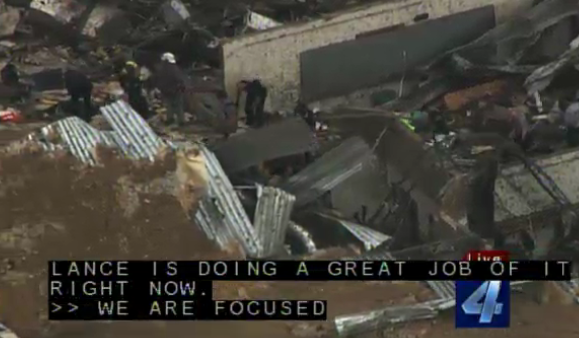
x=10, y=75
x=133, y=85
x=79, y=87
x=170, y=81
x=303, y=111
x=11, y=79
x=256, y=94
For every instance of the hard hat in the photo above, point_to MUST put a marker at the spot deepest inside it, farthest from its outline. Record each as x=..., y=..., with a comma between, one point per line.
x=168, y=57
x=131, y=64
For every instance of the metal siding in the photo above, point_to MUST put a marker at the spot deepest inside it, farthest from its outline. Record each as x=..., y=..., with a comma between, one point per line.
x=331, y=169
x=271, y=220
x=135, y=137
x=342, y=68
x=221, y=214
x=355, y=324
x=370, y=237
x=303, y=235
x=131, y=134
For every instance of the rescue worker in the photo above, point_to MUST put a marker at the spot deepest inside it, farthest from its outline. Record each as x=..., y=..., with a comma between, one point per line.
x=170, y=81
x=303, y=111
x=133, y=85
x=79, y=87
x=254, y=102
x=10, y=75
x=15, y=90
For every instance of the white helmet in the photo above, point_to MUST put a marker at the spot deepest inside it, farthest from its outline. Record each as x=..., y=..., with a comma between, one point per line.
x=168, y=57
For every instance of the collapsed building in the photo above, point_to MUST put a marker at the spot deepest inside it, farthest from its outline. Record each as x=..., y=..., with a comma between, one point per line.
x=375, y=187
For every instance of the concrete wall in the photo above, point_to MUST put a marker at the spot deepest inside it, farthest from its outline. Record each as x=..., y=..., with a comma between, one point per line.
x=273, y=56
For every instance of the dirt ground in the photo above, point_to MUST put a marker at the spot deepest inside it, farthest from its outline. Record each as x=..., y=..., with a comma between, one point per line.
x=53, y=208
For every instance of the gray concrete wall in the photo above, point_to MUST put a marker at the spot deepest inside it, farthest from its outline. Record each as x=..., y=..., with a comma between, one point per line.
x=273, y=55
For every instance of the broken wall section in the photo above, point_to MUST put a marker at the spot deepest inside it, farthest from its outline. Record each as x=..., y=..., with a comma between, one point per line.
x=273, y=55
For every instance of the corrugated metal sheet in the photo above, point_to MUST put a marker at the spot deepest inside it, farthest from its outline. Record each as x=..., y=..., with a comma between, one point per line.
x=370, y=237
x=331, y=169
x=132, y=134
x=304, y=236
x=221, y=214
x=76, y=136
x=351, y=325
x=272, y=214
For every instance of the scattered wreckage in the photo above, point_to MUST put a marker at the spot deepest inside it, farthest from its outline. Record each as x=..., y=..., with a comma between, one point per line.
x=376, y=182
x=284, y=213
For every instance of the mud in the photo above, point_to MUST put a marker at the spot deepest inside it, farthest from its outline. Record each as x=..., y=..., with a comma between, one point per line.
x=54, y=208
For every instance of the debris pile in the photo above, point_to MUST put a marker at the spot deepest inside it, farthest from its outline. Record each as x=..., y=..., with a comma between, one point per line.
x=482, y=158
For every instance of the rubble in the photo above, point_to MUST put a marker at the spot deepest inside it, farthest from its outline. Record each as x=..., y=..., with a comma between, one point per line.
x=10, y=17
x=394, y=181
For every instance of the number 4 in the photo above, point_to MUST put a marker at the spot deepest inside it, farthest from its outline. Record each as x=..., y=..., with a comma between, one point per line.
x=483, y=302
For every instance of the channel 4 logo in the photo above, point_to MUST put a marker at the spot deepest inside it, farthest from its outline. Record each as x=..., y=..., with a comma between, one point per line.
x=483, y=304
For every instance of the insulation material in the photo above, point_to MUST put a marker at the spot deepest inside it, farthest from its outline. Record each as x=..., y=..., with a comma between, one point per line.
x=260, y=22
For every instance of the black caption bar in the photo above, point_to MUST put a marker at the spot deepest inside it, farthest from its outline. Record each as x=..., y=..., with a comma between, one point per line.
x=182, y=290
x=315, y=270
